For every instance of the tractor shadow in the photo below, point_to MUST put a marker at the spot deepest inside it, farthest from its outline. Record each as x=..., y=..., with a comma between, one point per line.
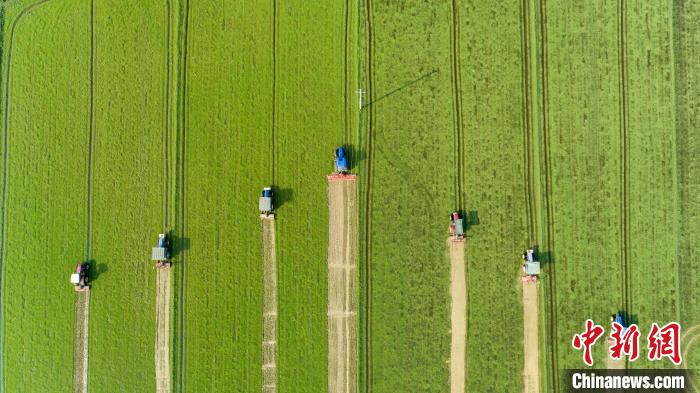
x=471, y=218
x=177, y=244
x=355, y=156
x=281, y=196
x=96, y=270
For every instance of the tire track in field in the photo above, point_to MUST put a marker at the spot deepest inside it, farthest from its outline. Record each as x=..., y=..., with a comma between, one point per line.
x=182, y=71
x=5, y=172
x=527, y=121
x=548, y=200
x=367, y=265
x=92, y=130
x=457, y=121
x=166, y=130
x=624, y=155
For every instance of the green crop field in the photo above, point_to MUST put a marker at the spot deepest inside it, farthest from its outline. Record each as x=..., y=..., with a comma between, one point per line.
x=571, y=126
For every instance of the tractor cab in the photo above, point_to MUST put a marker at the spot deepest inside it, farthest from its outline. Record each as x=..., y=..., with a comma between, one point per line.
x=79, y=278
x=619, y=319
x=341, y=160
x=161, y=253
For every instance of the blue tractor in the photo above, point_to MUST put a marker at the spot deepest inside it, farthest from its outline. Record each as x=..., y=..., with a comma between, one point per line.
x=341, y=160
x=620, y=319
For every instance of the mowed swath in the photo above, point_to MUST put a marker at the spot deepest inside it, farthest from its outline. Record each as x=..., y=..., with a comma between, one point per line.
x=163, y=341
x=269, y=339
x=45, y=218
x=408, y=200
x=227, y=162
x=127, y=192
x=342, y=286
x=309, y=124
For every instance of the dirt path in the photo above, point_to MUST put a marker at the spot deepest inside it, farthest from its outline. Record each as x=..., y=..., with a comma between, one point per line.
x=269, y=344
x=531, y=372
x=80, y=342
x=342, y=286
x=162, y=347
x=458, y=291
x=613, y=364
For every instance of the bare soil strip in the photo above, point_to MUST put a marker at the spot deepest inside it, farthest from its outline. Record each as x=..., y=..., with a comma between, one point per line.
x=80, y=342
x=458, y=291
x=342, y=286
x=162, y=347
x=613, y=364
x=531, y=372
x=269, y=344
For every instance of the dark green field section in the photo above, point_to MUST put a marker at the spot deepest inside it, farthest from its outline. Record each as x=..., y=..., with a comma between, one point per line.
x=44, y=187
x=495, y=160
x=408, y=192
x=227, y=157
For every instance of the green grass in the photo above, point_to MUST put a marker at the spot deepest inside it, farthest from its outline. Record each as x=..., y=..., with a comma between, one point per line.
x=45, y=228
x=494, y=157
x=227, y=163
x=410, y=134
x=127, y=192
x=310, y=115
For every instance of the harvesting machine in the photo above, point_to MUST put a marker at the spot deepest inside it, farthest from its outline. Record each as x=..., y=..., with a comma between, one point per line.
x=79, y=278
x=161, y=253
x=341, y=166
x=265, y=203
x=456, y=226
x=531, y=267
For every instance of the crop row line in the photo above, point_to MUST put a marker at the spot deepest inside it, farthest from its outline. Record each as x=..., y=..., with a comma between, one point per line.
x=548, y=200
x=367, y=264
x=273, y=119
x=5, y=170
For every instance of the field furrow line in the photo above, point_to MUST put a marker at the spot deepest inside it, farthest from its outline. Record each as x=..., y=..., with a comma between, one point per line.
x=548, y=201
x=5, y=172
x=273, y=114
x=367, y=225
x=182, y=88
x=457, y=103
x=346, y=71
x=624, y=155
x=527, y=121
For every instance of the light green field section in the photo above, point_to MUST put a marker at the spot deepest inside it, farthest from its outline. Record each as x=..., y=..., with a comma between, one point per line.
x=47, y=129
x=495, y=162
x=583, y=120
x=310, y=121
x=130, y=59
x=409, y=144
x=228, y=161
x=654, y=229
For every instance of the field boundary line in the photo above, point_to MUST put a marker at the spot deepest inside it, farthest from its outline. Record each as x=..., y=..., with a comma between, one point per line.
x=5, y=181
x=624, y=155
x=183, y=25
x=367, y=227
